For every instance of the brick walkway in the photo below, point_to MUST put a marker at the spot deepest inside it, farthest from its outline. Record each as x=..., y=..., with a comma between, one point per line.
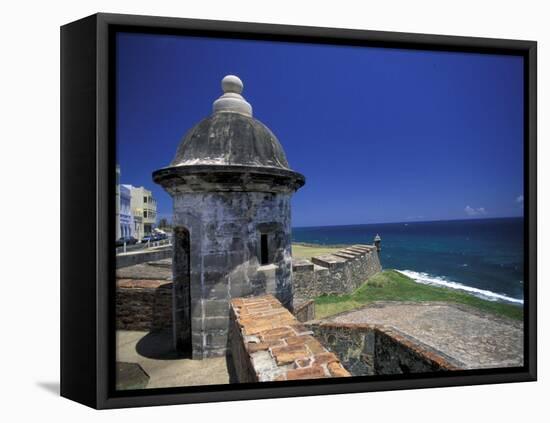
x=475, y=339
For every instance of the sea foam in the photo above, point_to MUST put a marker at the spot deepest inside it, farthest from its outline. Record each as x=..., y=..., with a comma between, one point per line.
x=426, y=279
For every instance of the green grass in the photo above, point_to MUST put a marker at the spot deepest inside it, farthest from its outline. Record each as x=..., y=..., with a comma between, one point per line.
x=391, y=285
x=310, y=250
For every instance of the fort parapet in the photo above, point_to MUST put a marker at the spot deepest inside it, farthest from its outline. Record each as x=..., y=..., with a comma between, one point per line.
x=267, y=343
x=144, y=305
x=368, y=349
x=338, y=273
x=144, y=300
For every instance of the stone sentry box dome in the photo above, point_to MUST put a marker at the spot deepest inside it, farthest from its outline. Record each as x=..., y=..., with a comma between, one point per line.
x=231, y=186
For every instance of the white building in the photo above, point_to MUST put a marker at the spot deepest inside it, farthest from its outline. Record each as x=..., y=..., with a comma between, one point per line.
x=144, y=210
x=117, y=203
x=125, y=217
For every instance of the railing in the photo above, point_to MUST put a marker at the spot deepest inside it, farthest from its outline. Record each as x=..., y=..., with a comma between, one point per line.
x=142, y=246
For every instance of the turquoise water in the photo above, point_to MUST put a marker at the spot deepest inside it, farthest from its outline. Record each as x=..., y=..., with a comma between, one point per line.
x=483, y=257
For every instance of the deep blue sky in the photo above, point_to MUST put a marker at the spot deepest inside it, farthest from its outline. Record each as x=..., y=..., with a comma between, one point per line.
x=382, y=135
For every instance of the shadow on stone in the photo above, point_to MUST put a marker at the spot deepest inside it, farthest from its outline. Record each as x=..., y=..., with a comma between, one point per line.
x=231, y=368
x=159, y=345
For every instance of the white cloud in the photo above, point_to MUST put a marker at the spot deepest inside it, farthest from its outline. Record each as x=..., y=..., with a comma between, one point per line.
x=519, y=199
x=470, y=211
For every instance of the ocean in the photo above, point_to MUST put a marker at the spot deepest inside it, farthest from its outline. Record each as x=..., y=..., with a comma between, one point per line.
x=483, y=256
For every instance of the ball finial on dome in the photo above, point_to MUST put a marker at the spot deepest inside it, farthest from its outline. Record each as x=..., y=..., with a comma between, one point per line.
x=232, y=101
x=232, y=84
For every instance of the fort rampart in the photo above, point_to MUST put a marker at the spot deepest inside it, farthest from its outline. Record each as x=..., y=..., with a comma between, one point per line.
x=366, y=349
x=267, y=343
x=338, y=273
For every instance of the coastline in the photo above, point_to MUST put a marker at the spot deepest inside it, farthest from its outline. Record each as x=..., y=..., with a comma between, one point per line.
x=478, y=256
x=398, y=285
x=426, y=279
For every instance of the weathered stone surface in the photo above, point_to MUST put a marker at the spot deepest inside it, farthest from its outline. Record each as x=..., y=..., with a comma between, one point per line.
x=230, y=139
x=302, y=265
x=287, y=354
x=227, y=272
x=231, y=186
x=274, y=334
x=325, y=358
x=312, y=372
x=253, y=347
x=149, y=270
x=369, y=350
x=352, y=252
x=329, y=261
x=471, y=337
x=333, y=274
x=400, y=337
x=216, y=323
x=143, y=304
x=344, y=255
x=304, y=310
x=283, y=350
x=337, y=371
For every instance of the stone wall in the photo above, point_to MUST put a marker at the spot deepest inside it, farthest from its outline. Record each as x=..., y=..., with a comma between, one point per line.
x=143, y=305
x=304, y=311
x=378, y=350
x=225, y=243
x=354, y=345
x=268, y=344
x=338, y=273
x=397, y=353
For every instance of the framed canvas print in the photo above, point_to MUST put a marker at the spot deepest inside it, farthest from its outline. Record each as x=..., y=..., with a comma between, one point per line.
x=258, y=211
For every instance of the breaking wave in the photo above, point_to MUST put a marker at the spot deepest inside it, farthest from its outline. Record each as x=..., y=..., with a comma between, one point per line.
x=426, y=279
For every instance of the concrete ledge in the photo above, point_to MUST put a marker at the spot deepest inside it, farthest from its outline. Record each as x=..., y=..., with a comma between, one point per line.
x=344, y=255
x=137, y=257
x=329, y=261
x=142, y=284
x=364, y=248
x=358, y=251
x=269, y=344
x=352, y=252
x=301, y=265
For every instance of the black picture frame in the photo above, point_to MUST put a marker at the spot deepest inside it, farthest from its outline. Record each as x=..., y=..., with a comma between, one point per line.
x=87, y=195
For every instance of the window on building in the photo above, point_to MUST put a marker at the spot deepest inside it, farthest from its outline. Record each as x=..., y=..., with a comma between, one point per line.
x=264, y=253
x=145, y=200
x=144, y=213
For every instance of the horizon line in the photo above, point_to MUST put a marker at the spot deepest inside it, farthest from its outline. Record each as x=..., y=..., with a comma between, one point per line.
x=412, y=221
